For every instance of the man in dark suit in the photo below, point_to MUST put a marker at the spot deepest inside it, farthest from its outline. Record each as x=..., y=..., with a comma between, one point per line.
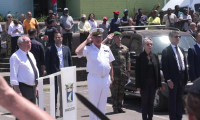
x=57, y=56
x=194, y=59
x=37, y=50
x=175, y=73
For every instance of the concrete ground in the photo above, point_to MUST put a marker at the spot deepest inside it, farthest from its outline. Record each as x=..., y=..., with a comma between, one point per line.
x=132, y=107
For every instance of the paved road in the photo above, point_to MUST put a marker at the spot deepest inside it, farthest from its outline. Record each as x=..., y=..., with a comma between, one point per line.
x=131, y=105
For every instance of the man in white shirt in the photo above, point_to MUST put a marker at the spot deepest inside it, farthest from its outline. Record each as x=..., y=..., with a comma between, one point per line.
x=23, y=70
x=170, y=18
x=175, y=74
x=15, y=30
x=185, y=19
x=99, y=65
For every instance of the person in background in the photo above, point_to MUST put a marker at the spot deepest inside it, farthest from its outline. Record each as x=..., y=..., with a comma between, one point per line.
x=37, y=50
x=8, y=38
x=15, y=30
x=192, y=28
x=194, y=58
x=23, y=17
x=124, y=19
x=29, y=23
x=170, y=18
x=198, y=26
x=154, y=20
x=93, y=23
x=18, y=105
x=56, y=16
x=191, y=13
x=185, y=19
x=177, y=11
x=141, y=19
x=23, y=70
x=115, y=22
x=0, y=36
x=50, y=31
x=193, y=101
x=196, y=18
x=131, y=23
x=104, y=25
x=148, y=78
x=84, y=28
x=161, y=16
x=67, y=23
x=47, y=19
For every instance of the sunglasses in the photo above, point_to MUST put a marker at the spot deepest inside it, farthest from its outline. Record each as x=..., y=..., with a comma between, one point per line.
x=149, y=44
x=177, y=36
x=9, y=17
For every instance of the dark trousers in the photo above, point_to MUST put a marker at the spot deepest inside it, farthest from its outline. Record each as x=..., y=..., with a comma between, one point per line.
x=175, y=99
x=67, y=40
x=14, y=46
x=28, y=92
x=56, y=91
x=83, y=37
x=148, y=95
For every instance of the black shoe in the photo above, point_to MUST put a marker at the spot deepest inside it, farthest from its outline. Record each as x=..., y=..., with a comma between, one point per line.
x=121, y=111
x=115, y=110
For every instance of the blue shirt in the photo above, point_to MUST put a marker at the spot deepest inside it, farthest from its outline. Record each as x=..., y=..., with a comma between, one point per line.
x=178, y=14
x=124, y=19
x=113, y=27
x=141, y=19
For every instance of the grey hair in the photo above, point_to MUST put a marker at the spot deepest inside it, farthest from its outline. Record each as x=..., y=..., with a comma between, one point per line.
x=9, y=15
x=21, y=39
x=144, y=40
x=198, y=25
x=171, y=34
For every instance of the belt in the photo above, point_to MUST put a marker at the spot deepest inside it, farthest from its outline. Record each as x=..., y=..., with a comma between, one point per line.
x=99, y=76
x=27, y=85
x=181, y=71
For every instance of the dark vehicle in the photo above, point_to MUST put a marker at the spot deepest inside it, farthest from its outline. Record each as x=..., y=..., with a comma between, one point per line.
x=160, y=40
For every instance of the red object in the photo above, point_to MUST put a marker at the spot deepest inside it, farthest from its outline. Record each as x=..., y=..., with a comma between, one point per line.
x=54, y=1
x=105, y=18
x=117, y=12
x=45, y=39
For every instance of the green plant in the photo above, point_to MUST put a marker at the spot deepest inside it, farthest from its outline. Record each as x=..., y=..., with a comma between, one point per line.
x=41, y=18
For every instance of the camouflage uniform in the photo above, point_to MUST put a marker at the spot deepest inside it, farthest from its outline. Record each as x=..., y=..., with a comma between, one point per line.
x=122, y=56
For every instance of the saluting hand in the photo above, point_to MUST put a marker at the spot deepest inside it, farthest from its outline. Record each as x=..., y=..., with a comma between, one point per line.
x=110, y=36
x=170, y=84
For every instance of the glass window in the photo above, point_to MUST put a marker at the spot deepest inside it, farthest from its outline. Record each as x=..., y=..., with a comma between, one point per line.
x=135, y=46
x=161, y=42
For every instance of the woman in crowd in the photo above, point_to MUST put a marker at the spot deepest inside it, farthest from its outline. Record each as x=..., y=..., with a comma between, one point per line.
x=91, y=20
x=15, y=30
x=8, y=39
x=154, y=19
x=148, y=78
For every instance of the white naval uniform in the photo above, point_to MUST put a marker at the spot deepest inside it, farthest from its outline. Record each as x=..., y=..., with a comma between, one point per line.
x=98, y=66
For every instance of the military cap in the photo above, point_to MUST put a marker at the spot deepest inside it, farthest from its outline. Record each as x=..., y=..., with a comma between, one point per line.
x=195, y=87
x=117, y=33
x=97, y=32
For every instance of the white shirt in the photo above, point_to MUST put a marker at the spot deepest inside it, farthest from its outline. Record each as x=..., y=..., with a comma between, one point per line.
x=93, y=24
x=0, y=30
x=172, y=18
x=12, y=28
x=21, y=69
x=98, y=60
x=60, y=55
x=182, y=57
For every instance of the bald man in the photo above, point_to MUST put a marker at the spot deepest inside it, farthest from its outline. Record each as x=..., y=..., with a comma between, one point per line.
x=192, y=28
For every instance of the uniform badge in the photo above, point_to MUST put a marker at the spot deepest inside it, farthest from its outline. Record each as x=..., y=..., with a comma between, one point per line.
x=106, y=51
x=69, y=90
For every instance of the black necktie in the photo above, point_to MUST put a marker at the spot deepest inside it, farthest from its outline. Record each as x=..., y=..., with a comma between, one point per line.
x=179, y=58
x=34, y=69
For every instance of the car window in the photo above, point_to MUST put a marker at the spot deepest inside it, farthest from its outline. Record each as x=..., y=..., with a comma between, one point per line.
x=135, y=46
x=126, y=41
x=161, y=42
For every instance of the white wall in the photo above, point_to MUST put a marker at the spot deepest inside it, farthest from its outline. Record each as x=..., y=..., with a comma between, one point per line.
x=20, y=6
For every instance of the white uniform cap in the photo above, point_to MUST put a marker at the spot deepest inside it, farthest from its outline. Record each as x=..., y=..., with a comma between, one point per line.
x=97, y=31
x=66, y=9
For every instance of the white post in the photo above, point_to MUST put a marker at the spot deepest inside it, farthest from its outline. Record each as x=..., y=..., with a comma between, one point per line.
x=52, y=95
x=68, y=77
x=41, y=95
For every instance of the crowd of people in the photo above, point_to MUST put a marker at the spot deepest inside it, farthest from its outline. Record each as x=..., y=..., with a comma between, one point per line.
x=108, y=66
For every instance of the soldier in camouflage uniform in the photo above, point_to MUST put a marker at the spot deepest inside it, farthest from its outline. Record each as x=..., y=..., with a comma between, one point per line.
x=121, y=69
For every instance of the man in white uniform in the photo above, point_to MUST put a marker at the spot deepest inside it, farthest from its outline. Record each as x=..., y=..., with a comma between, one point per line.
x=99, y=66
